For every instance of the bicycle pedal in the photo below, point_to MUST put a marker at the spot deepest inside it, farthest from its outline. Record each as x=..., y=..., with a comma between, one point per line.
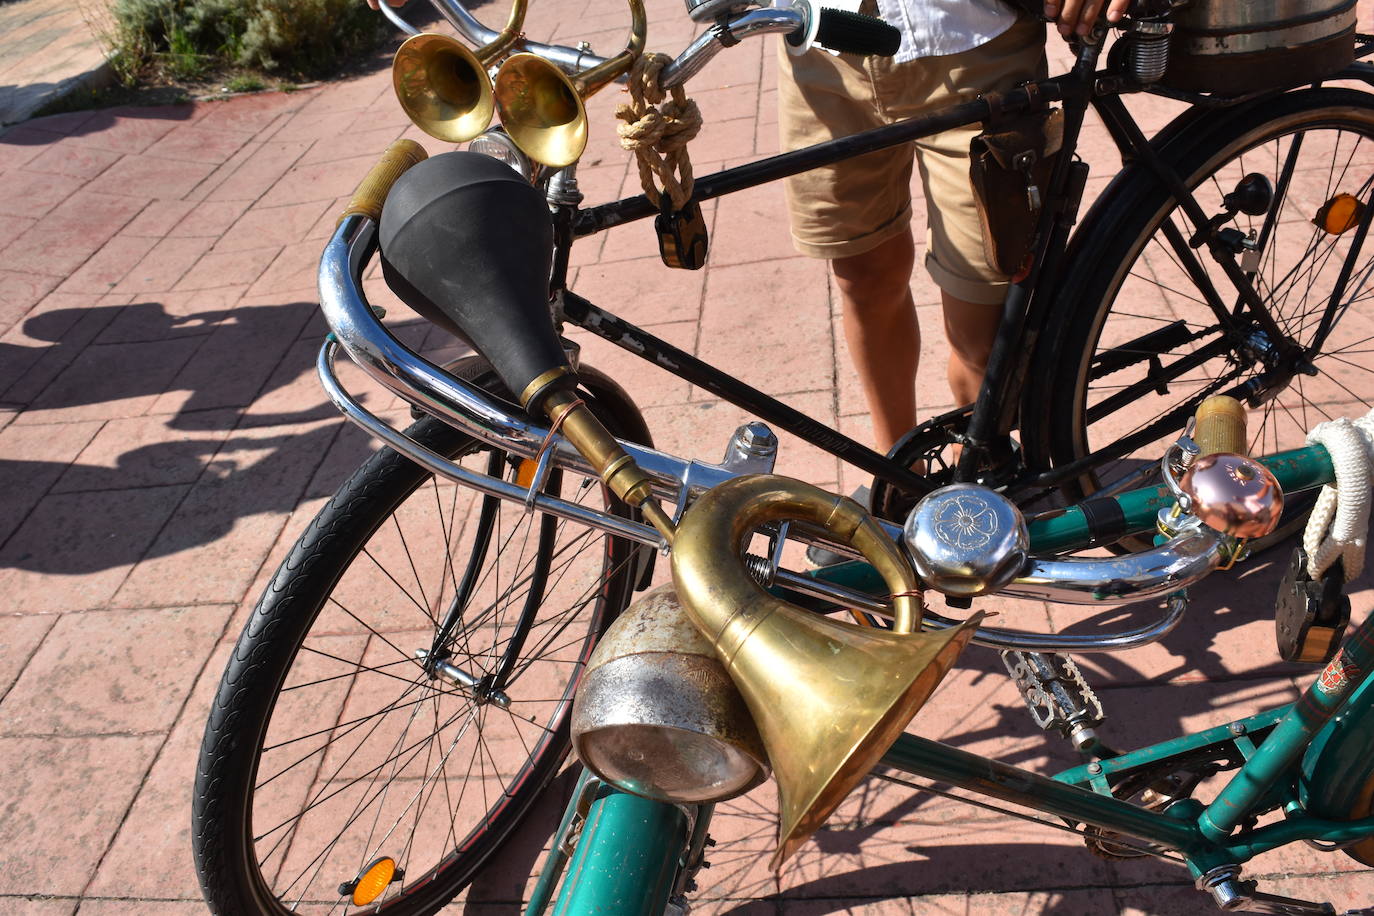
x=1056, y=694
x=1310, y=615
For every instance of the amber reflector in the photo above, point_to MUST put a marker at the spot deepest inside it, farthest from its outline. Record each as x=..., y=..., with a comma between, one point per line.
x=524, y=475
x=1339, y=214
x=373, y=881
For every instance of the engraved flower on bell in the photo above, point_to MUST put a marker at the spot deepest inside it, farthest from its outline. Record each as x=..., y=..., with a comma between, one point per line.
x=966, y=522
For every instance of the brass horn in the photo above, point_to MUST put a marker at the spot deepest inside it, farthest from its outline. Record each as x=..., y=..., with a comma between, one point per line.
x=828, y=697
x=543, y=109
x=443, y=87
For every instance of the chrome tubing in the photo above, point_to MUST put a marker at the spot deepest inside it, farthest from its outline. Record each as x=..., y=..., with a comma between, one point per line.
x=709, y=43
x=467, y=25
x=355, y=329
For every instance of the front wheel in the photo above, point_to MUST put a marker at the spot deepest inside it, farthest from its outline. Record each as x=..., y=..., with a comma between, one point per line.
x=1139, y=341
x=402, y=690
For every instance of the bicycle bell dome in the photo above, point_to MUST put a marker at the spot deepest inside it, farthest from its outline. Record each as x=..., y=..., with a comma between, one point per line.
x=1234, y=495
x=966, y=540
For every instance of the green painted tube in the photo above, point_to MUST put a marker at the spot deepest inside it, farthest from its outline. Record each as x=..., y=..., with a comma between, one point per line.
x=625, y=860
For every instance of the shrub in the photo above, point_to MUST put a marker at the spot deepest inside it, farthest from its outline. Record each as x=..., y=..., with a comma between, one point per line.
x=302, y=37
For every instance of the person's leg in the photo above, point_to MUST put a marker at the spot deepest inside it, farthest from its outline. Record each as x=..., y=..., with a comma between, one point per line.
x=881, y=331
x=971, y=327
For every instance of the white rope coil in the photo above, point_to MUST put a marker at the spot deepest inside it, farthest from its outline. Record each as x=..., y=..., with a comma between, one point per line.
x=1339, y=523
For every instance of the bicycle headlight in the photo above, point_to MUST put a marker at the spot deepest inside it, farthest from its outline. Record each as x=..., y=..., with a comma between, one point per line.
x=497, y=144
x=657, y=715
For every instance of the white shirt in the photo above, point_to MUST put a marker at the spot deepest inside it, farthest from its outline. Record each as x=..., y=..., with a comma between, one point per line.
x=934, y=28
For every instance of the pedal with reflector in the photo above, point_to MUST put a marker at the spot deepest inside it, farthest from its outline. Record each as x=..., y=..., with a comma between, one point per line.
x=1310, y=616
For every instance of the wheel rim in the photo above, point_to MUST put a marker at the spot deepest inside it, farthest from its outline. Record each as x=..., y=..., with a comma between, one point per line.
x=1162, y=330
x=366, y=755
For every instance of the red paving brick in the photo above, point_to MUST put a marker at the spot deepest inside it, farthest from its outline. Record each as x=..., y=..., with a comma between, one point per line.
x=163, y=439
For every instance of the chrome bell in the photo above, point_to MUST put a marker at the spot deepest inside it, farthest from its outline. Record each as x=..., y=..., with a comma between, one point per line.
x=656, y=714
x=1234, y=495
x=966, y=540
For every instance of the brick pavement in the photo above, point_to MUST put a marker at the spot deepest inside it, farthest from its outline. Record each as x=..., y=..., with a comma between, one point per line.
x=163, y=440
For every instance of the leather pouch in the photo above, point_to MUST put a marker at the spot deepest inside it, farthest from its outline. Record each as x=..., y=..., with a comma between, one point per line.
x=1009, y=167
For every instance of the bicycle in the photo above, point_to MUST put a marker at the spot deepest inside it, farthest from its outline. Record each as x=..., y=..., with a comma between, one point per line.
x=307, y=616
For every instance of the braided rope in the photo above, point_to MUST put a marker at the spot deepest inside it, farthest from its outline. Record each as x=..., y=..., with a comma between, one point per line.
x=1340, y=519
x=657, y=132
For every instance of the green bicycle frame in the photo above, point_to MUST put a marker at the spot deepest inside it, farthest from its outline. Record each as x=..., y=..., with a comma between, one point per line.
x=1310, y=758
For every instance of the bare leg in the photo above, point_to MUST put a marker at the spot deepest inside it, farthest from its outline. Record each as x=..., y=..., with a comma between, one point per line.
x=881, y=330
x=971, y=328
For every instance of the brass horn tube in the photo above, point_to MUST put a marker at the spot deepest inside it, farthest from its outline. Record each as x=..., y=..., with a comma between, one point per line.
x=543, y=109
x=443, y=87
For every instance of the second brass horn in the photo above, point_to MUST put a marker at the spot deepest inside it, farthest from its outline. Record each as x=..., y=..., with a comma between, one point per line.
x=443, y=87
x=542, y=108
x=828, y=697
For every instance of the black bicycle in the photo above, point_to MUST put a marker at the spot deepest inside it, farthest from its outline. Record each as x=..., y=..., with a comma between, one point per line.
x=405, y=682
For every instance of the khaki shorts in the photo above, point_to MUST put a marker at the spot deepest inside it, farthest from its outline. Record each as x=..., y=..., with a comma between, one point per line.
x=855, y=205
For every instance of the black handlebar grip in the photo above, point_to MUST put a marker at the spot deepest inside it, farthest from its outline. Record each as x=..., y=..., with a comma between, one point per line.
x=855, y=33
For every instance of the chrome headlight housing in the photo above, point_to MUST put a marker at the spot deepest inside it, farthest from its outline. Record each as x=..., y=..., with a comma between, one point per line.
x=497, y=144
x=657, y=715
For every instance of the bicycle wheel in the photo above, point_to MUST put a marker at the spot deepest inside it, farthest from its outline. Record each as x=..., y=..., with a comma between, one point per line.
x=332, y=745
x=1136, y=345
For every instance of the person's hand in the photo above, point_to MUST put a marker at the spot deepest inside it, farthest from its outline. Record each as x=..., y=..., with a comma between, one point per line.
x=1075, y=15
x=373, y=3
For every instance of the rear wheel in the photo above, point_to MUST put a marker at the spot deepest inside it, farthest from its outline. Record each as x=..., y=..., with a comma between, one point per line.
x=335, y=741
x=1139, y=341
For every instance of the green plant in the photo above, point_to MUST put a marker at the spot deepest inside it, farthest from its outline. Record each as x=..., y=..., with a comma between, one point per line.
x=189, y=37
x=244, y=83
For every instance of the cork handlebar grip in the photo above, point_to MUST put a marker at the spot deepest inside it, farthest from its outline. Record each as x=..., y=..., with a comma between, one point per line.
x=1221, y=426
x=371, y=193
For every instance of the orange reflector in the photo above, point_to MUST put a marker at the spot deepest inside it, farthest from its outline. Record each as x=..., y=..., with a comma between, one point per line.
x=1339, y=214
x=373, y=881
x=524, y=475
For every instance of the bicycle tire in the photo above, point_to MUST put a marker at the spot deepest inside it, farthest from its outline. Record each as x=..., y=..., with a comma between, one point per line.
x=1125, y=283
x=281, y=767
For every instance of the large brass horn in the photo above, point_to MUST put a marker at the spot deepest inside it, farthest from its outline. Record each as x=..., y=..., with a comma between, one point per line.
x=443, y=87
x=828, y=697
x=543, y=109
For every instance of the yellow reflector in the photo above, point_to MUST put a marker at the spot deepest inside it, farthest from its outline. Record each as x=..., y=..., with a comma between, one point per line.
x=524, y=475
x=1339, y=214
x=373, y=881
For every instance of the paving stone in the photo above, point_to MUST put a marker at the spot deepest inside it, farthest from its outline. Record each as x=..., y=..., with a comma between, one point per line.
x=164, y=265
x=232, y=517
x=149, y=176
x=63, y=239
x=109, y=265
x=121, y=670
x=20, y=292
x=33, y=194
x=19, y=639
x=76, y=160
x=91, y=781
x=261, y=227
x=158, y=826
x=112, y=380
x=34, y=458
x=36, y=349
x=141, y=451
x=75, y=549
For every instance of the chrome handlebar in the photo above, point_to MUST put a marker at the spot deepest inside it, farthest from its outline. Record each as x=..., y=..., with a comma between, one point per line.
x=356, y=329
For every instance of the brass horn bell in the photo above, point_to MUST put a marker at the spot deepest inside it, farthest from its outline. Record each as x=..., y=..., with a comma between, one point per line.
x=543, y=109
x=828, y=697
x=443, y=87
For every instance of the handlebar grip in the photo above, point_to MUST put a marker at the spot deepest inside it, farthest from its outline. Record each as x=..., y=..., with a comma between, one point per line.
x=1221, y=426
x=855, y=33
x=371, y=193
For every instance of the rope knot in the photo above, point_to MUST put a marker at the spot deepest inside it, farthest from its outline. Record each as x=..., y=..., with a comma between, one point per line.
x=658, y=131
